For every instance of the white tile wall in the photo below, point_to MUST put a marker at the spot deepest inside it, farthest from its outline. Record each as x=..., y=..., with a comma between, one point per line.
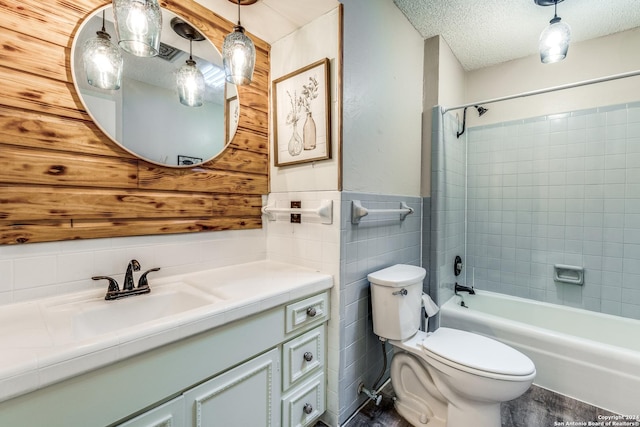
x=560, y=189
x=38, y=270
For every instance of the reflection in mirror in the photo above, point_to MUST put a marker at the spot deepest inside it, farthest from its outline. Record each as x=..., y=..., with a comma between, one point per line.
x=145, y=115
x=102, y=60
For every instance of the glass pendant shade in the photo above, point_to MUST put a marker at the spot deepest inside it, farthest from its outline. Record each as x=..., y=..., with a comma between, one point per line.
x=102, y=62
x=190, y=83
x=238, y=57
x=554, y=41
x=138, y=25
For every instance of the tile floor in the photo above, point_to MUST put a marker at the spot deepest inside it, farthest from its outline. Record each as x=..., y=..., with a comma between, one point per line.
x=538, y=407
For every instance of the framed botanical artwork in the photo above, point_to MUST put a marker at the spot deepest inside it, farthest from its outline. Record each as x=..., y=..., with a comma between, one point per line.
x=302, y=115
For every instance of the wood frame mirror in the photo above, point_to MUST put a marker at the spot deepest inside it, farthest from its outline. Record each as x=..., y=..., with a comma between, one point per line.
x=61, y=178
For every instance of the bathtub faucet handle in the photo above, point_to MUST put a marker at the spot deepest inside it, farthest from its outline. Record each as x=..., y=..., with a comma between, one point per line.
x=457, y=266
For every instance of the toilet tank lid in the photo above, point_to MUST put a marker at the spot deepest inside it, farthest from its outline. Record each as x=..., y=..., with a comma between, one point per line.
x=398, y=275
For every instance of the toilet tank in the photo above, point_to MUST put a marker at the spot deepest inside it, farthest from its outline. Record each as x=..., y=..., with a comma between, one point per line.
x=396, y=300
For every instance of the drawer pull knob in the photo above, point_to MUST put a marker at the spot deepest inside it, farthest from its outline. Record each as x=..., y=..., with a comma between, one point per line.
x=311, y=312
x=308, y=356
x=307, y=408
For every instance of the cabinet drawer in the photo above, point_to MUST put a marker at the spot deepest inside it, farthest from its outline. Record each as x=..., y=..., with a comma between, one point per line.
x=302, y=356
x=304, y=405
x=310, y=310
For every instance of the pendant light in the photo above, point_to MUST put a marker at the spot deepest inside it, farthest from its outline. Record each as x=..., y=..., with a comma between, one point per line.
x=189, y=79
x=554, y=40
x=102, y=61
x=238, y=53
x=138, y=25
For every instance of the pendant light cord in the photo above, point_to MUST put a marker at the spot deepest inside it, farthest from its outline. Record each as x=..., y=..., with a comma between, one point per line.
x=103, y=29
x=239, y=13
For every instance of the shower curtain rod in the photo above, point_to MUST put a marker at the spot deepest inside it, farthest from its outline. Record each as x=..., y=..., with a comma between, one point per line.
x=547, y=90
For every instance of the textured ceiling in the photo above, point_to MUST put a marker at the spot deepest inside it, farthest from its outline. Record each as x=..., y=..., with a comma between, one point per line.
x=484, y=33
x=480, y=33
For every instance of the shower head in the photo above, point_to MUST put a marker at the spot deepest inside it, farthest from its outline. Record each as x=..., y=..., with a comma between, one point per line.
x=481, y=110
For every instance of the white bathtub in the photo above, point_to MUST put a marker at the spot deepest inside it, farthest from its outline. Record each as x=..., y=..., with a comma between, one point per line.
x=588, y=356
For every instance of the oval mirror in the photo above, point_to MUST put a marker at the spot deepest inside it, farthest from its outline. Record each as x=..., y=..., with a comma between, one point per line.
x=145, y=115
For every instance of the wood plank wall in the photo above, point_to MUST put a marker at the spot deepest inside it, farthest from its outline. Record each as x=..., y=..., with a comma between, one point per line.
x=61, y=178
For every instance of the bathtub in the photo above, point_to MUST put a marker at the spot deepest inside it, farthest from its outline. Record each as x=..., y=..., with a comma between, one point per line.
x=589, y=356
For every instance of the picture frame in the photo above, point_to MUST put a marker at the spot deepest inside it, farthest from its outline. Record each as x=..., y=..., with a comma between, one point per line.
x=232, y=114
x=188, y=160
x=302, y=115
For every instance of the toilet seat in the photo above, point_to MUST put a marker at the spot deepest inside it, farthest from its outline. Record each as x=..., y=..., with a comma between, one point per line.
x=476, y=354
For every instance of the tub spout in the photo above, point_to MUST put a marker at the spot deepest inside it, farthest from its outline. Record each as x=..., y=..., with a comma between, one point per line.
x=460, y=288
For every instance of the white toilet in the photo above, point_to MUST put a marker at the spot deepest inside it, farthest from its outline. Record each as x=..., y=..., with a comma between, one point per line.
x=448, y=378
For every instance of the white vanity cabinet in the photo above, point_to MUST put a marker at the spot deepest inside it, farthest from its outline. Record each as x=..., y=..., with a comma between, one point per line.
x=283, y=387
x=264, y=368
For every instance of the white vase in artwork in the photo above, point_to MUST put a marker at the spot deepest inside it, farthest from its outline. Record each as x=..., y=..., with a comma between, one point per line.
x=309, y=132
x=295, y=143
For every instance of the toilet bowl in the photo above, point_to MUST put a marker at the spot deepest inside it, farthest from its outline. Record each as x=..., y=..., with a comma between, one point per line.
x=446, y=378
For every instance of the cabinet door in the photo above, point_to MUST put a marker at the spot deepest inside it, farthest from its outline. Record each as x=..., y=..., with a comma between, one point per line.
x=248, y=395
x=170, y=414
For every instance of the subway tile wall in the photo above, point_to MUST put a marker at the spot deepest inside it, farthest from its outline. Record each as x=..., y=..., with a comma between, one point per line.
x=558, y=189
x=379, y=241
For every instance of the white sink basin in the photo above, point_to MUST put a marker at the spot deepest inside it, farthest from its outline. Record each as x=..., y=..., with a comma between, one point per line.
x=95, y=316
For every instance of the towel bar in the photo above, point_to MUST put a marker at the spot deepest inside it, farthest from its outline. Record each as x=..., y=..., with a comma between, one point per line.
x=358, y=211
x=324, y=211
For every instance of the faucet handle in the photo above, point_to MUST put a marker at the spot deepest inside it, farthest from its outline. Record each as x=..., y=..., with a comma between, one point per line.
x=143, y=282
x=113, y=285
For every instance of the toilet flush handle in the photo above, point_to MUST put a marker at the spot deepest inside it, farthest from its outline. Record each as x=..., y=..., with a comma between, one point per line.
x=402, y=292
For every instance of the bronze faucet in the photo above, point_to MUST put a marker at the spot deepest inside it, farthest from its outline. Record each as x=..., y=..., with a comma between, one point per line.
x=128, y=289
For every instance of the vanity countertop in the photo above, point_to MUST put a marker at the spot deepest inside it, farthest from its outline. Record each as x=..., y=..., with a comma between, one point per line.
x=43, y=342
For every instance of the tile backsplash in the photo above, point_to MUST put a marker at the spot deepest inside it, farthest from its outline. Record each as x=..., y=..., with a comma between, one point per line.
x=558, y=189
x=38, y=270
